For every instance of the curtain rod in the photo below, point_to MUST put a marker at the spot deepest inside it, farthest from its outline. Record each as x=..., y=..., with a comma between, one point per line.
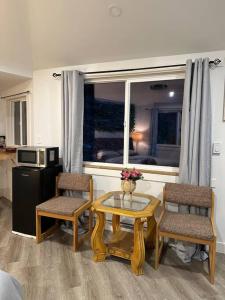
x=18, y=94
x=216, y=62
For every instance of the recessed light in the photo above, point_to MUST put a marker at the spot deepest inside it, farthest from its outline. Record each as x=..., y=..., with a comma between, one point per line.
x=171, y=94
x=115, y=11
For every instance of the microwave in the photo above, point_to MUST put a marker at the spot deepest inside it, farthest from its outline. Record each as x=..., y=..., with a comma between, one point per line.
x=40, y=157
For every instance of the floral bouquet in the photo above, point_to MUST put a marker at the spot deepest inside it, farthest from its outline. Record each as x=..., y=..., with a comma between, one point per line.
x=133, y=174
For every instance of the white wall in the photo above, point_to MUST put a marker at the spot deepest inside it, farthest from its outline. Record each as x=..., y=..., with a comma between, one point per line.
x=47, y=126
x=218, y=161
x=46, y=109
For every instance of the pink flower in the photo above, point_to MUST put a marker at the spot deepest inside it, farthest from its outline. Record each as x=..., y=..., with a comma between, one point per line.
x=131, y=174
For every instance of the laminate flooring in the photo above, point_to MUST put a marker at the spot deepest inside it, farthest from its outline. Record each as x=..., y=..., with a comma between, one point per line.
x=51, y=270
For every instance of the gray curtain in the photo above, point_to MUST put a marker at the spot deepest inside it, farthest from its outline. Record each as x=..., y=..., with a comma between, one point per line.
x=195, y=157
x=73, y=110
x=72, y=130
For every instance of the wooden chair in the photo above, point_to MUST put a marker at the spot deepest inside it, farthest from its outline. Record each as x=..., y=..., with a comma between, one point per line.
x=64, y=207
x=187, y=227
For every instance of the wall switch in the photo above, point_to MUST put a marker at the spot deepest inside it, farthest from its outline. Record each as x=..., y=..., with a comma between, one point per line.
x=216, y=148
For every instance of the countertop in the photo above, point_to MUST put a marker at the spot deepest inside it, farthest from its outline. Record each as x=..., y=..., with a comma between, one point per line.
x=7, y=153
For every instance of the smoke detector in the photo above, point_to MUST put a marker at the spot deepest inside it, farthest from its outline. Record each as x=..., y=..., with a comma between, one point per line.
x=115, y=11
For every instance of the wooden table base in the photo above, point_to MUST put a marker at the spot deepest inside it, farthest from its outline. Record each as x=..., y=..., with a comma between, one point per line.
x=97, y=244
x=123, y=244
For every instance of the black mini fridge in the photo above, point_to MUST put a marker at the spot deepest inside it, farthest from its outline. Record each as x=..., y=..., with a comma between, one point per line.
x=31, y=186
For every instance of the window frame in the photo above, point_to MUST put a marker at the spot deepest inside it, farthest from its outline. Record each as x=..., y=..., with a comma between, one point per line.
x=10, y=138
x=128, y=79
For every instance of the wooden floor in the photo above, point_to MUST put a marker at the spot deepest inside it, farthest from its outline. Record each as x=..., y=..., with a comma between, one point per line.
x=51, y=270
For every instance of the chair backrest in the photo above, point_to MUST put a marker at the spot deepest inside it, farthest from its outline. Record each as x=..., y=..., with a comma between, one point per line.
x=74, y=182
x=188, y=194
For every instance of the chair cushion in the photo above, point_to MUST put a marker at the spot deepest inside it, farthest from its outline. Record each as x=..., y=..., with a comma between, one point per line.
x=62, y=205
x=189, y=225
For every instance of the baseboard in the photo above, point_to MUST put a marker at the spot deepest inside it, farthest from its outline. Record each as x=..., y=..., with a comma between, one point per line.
x=220, y=247
x=24, y=235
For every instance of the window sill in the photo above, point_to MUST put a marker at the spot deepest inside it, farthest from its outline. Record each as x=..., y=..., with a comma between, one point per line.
x=106, y=167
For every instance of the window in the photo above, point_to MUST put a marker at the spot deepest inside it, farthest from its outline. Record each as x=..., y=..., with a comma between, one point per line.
x=17, y=122
x=133, y=122
x=104, y=122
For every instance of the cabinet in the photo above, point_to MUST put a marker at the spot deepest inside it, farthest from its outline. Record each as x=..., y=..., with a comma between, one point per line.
x=31, y=186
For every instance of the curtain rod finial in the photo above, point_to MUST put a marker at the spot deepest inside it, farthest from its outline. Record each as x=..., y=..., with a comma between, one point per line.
x=217, y=61
x=55, y=75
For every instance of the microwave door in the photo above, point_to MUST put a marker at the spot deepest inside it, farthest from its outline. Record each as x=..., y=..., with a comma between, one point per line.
x=27, y=158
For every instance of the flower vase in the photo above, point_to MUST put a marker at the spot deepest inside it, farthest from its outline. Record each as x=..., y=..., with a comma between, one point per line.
x=128, y=187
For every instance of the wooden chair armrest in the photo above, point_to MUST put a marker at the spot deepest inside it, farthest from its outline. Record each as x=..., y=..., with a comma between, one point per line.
x=212, y=215
x=82, y=208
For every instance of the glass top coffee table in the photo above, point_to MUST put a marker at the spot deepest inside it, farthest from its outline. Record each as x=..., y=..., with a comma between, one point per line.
x=127, y=202
x=131, y=246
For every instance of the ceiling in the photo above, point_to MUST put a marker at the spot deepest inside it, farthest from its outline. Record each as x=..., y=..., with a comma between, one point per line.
x=44, y=34
x=79, y=32
x=15, y=49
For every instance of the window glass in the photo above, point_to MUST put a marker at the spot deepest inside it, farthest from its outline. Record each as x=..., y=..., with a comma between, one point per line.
x=17, y=122
x=24, y=122
x=154, y=122
x=104, y=122
x=155, y=126
x=167, y=128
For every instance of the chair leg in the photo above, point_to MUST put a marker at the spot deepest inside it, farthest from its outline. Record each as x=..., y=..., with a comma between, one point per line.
x=90, y=221
x=38, y=227
x=212, y=261
x=156, y=249
x=75, y=234
x=159, y=242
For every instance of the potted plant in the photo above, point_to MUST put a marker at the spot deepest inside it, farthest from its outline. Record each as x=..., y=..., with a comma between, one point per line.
x=129, y=178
